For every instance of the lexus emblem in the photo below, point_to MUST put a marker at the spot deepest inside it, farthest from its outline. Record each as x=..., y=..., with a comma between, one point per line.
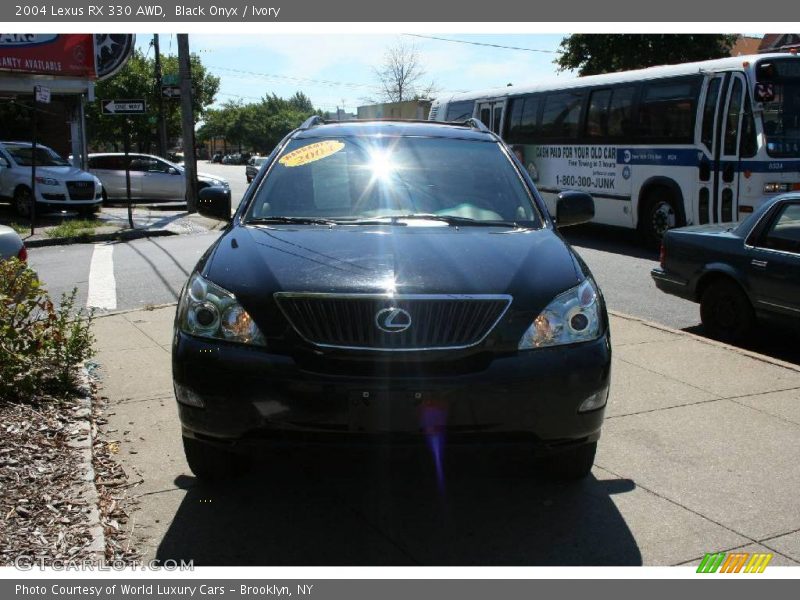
x=392, y=320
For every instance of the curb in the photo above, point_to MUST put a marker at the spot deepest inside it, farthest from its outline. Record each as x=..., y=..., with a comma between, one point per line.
x=83, y=442
x=117, y=236
x=748, y=353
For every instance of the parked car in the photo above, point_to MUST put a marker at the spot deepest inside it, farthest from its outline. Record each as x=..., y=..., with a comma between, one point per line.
x=152, y=178
x=217, y=158
x=11, y=245
x=59, y=185
x=253, y=165
x=739, y=273
x=230, y=159
x=421, y=291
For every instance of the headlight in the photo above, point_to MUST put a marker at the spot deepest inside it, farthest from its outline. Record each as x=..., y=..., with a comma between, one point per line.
x=46, y=181
x=571, y=317
x=207, y=310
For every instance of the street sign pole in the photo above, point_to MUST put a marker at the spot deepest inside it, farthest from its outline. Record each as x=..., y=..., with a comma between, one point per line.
x=33, y=159
x=127, y=128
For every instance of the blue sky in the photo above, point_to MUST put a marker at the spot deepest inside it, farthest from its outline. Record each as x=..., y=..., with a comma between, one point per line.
x=251, y=66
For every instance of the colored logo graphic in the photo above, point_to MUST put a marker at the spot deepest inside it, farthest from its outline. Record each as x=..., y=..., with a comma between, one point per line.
x=626, y=172
x=735, y=562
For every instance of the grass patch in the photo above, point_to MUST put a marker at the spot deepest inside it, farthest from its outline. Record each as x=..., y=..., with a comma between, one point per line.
x=73, y=228
x=20, y=228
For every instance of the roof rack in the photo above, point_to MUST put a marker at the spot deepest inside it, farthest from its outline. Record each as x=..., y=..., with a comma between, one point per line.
x=477, y=124
x=312, y=121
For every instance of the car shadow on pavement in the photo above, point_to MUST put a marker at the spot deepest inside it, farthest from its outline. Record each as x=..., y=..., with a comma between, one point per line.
x=770, y=339
x=388, y=506
x=608, y=239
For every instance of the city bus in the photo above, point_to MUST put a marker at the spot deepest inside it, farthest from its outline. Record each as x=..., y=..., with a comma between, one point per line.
x=661, y=147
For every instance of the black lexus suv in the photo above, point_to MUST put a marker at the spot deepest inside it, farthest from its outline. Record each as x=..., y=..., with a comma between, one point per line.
x=391, y=281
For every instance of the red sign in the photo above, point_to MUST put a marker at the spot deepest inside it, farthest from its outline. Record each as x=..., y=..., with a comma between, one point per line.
x=67, y=55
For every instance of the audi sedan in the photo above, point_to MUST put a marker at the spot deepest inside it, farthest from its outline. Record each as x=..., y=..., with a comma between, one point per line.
x=394, y=281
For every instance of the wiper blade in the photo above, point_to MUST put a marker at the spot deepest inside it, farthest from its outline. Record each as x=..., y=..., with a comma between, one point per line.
x=290, y=220
x=449, y=219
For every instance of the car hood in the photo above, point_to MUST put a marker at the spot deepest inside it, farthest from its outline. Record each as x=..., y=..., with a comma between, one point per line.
x=209, y=176
x=64, y=173
x=253, y=262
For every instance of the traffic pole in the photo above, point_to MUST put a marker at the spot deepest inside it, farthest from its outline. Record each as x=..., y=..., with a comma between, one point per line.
x=187, y=122
x=128, y=171
x=33, y=162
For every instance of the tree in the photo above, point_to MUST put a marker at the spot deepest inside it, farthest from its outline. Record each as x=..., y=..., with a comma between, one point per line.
x=401, y=74
x=258, y=125
x=137, y=80
x=592, y=54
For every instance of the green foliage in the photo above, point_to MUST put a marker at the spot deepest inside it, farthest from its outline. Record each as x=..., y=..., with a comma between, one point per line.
x=592, y=54
x=258, y=125
x=40, y=345
x=73, y=228
x=137, y=80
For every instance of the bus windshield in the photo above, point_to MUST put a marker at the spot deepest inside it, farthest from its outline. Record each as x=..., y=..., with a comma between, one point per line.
x=778, y=88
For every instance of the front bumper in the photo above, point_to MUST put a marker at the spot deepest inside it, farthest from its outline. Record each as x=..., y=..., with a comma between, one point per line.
x=250, y=394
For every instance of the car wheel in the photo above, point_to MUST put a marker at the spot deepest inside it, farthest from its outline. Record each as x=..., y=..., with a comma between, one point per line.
x=726, y=312
x=569, y=465
x=211, y=463
x=659, y=214
x=23, y=201
x=105, y=198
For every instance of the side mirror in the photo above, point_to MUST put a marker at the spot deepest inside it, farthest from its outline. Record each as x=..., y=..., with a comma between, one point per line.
x=215, y=203
x=174, y=171
x=573, y=208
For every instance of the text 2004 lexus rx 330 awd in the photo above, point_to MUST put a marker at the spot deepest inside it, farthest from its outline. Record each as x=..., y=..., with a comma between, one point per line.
x=392, y=281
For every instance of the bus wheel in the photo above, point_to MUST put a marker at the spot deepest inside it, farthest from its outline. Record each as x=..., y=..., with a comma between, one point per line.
x=658, y=215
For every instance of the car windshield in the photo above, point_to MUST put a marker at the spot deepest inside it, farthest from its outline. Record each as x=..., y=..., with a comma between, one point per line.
x=45, y=157
x=381, y=177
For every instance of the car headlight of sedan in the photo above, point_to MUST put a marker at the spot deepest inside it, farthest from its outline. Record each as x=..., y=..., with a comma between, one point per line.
x=207, y=310
x=573, y=316
x=46, y=181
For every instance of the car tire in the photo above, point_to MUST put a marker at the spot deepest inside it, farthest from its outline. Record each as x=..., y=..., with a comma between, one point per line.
x=659, y=213
x=726, y=312
x=23, y=201
x=211, y=463
x=569, y=465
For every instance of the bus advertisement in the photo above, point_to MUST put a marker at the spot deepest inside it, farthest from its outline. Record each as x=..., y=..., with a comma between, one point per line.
x=661, y=147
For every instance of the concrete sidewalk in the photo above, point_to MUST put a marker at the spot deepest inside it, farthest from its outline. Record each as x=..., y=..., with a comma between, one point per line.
x=699, y=454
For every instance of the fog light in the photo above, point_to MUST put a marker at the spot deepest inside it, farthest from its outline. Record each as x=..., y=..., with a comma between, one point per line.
x=594, y=401
x=187, y=396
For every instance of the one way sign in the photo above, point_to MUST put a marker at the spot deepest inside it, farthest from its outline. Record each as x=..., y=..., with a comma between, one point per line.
x=123, y=107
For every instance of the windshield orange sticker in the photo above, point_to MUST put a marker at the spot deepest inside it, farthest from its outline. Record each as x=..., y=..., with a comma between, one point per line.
x=310, y=153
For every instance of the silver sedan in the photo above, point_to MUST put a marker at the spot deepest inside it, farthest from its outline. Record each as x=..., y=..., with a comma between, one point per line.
x=11, y=244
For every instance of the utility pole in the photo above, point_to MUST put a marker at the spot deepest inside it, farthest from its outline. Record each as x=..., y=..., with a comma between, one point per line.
x=187, y=122
x=162, y=122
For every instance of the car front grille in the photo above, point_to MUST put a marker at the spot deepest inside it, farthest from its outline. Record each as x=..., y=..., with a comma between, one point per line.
x=434, y=322
x=81, y=190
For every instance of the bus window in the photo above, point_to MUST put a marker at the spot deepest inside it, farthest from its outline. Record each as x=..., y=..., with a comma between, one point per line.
x=561, y=114
x=530, y=116
x=749, y=144
x=667, y=110
x=620, y=111
x=459, y=111
x=512, y=135
x=707, y=133
x=732, y=119
x=486, y=115
x=597, y=117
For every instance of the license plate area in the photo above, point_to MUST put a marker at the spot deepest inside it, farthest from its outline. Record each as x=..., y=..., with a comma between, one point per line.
x=391, y=411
